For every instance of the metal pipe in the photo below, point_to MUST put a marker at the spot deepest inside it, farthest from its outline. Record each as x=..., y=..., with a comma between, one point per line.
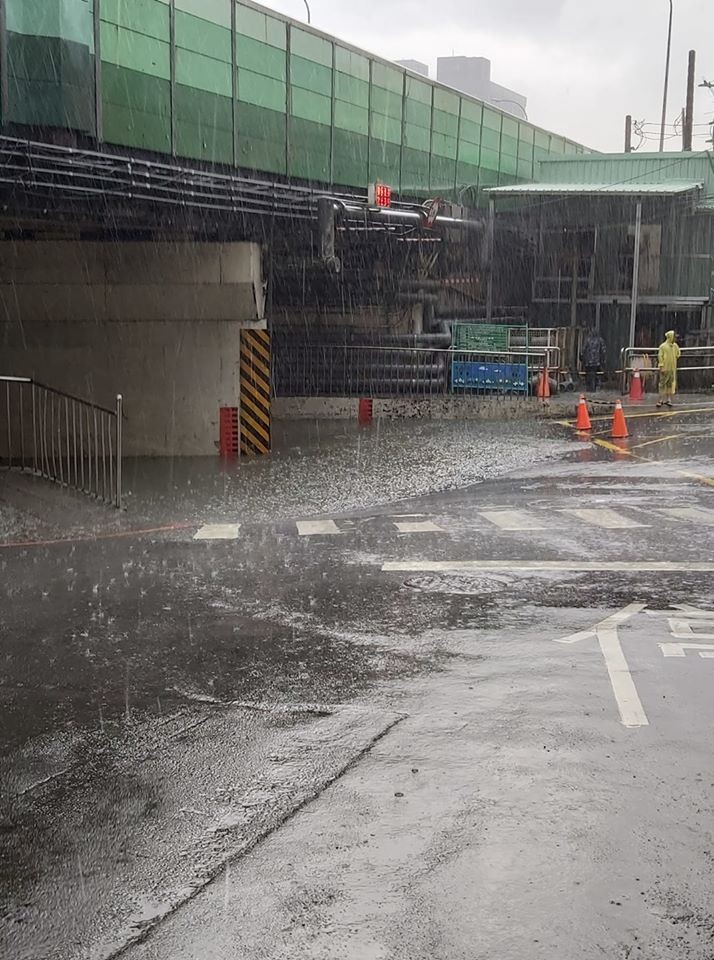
x=490, y=243
x=408, y=216
x=666, y=78
x=636, y=274
x=9, y=424
x=119, y=451
x=627, y=353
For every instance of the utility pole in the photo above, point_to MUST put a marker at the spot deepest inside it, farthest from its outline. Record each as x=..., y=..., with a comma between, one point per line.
x=708, y=85
x=689, y=116
x=628, y=134
x=666, y=78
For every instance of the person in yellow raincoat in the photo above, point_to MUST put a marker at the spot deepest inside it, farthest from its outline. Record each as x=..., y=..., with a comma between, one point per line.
x=669, y=354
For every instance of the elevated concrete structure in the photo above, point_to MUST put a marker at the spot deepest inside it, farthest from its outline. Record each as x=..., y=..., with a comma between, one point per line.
x=159, y=323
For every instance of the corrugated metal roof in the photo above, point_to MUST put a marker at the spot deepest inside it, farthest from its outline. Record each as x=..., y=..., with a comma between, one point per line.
x=628, y=168
x=668, y=188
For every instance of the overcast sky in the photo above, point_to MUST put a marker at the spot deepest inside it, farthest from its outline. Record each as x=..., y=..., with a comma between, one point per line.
x=583, y=64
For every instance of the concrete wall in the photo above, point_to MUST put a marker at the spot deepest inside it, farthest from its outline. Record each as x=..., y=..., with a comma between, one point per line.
x=158, y=323
x=403, y=408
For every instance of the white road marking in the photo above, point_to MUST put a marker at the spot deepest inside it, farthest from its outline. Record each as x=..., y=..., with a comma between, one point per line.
x=561, y=566
x=681, y=630
x=632, y=713
x=629, y=704
x=683, y=610
x=513, y=520
x=218, y=531
x=680, y=649
x=606, y=518
x=317, y=528
x=696, y=514
x=613, y=621
x=418, y=526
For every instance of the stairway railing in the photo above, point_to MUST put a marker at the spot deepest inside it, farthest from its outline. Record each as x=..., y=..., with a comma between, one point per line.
x=65, y=439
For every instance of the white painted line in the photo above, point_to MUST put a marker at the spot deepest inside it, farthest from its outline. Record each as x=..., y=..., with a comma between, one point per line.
x=606, y=518
x=680, y=649
x=218, y=531
x=317, y=528
x=682, y=630
x=417, y=526
x=562, y=566
x=613, y=621
x=513, y=520
x=695, y=514
x=683, y=610
x=632, y=713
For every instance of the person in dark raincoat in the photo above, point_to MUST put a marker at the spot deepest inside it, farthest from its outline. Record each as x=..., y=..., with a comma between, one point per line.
x=594, y=358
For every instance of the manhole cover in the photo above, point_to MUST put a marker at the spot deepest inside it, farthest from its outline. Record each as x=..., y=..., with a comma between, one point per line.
x=463, y=586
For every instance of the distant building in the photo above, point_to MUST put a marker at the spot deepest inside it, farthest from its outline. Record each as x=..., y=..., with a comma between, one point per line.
x=473, y=75
x=416, y=66
x=584, y=211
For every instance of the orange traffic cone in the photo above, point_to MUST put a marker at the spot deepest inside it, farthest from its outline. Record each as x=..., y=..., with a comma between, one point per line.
x=636, y=391
x=543, y=389
x=583, y=420
x=619, y=424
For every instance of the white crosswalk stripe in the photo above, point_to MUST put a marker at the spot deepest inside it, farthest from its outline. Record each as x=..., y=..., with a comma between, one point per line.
x=695, y=514
x=606, y=518
x=514, y=520
x=218, y=531
x=418, y=526
x=318, y=528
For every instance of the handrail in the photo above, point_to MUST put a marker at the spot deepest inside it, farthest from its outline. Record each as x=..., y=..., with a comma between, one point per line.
x=64, y=438
x=627, y=353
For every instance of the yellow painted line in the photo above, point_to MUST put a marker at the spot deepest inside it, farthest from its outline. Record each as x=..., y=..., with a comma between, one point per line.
x=648, y=443
x=615, y=449
x=662, y=414
x=697, y=476
x=709, y=481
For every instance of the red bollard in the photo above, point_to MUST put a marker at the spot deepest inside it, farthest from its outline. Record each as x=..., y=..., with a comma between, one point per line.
x=229, y=435
x=364, y=412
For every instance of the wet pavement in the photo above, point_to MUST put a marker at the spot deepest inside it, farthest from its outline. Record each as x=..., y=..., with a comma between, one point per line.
x=356, y=736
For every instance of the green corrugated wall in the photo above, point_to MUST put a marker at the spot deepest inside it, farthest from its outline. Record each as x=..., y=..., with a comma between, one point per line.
x=232, y=83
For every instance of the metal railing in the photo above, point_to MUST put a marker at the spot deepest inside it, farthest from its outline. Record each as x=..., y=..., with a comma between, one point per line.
x=311, y=370
x=67, y=440
x=693, y=359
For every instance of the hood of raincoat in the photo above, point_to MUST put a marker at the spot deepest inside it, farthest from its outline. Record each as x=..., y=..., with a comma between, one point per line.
x=669, y=336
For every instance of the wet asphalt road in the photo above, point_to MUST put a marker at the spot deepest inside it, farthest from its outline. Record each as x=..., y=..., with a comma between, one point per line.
x=304, y=753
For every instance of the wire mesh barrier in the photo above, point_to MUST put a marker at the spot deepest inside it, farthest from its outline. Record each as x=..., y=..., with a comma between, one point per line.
x=67, y=440
x=695, y=367
x=309, y=370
